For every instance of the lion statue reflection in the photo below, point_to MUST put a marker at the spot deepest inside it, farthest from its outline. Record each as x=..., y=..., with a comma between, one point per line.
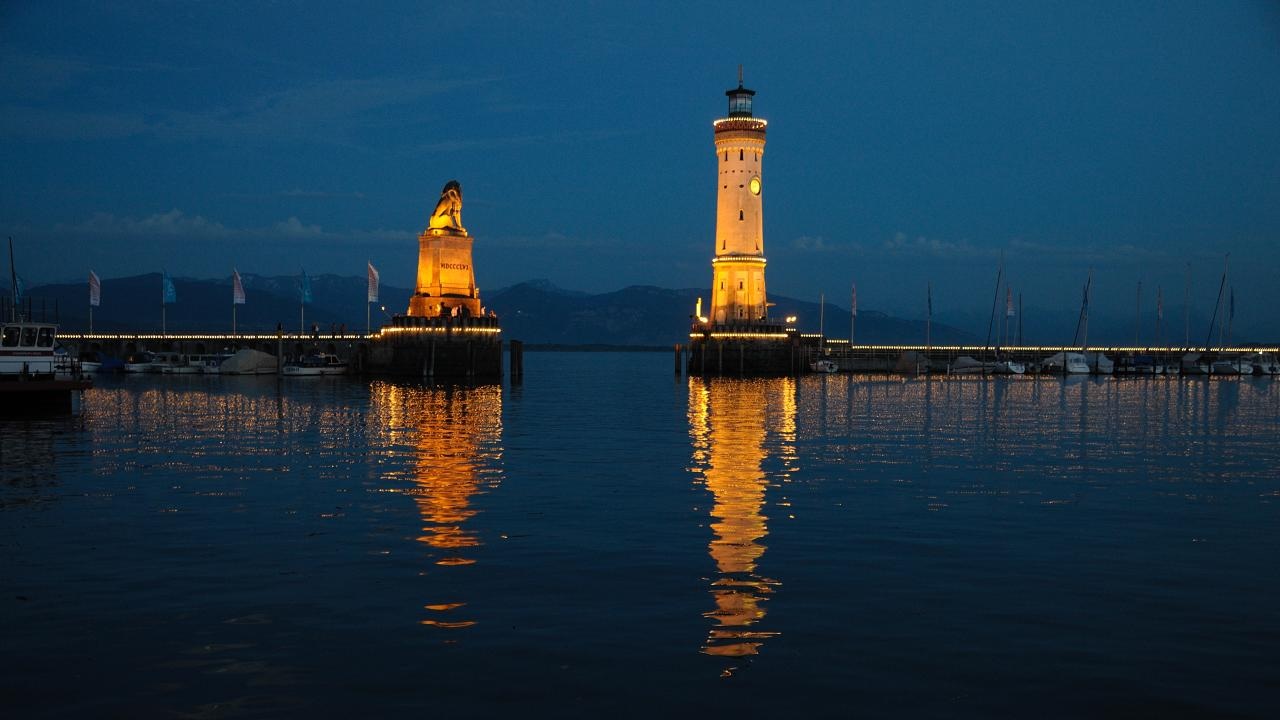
x=448, y=212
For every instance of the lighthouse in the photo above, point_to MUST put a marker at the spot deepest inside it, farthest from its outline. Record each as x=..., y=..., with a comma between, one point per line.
x=737, y=335
x=737, y=290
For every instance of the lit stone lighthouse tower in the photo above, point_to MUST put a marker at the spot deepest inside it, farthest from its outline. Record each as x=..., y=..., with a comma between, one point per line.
x=737, y=290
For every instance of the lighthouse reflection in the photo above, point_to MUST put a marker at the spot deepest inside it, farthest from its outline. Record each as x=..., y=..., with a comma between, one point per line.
x=454, y=435
x=729, y=422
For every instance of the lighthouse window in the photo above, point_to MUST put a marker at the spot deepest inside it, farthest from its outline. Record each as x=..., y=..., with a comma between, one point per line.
x=740, y=154
x=721, y=284
x=757, y=157
x=726, y=156
x=739, y=214
x=739, y=284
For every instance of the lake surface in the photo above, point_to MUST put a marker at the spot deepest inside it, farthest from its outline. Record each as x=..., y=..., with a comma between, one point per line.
x=609, y=539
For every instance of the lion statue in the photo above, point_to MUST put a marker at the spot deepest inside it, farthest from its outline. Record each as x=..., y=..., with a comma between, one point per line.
x=448, y=212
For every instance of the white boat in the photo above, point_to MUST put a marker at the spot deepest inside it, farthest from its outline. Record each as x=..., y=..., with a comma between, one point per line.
x=823, y=365
x=965, y=365
x=35, y=372
x=181, y=365
x=211, y=364
x=249, y=362
x=1070, y=363
x=1099, y=364
x=309, y=366
x=1192, y=365
x=1008, y=367
x=164, y=361
x=139, y=362
x=1263, y=364
x=1231, y=366
x=333, y=365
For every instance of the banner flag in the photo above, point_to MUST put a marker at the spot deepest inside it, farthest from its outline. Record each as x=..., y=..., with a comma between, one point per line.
x=304, y=289
x=95, y=289
x=373, y=283
x=170, y=293
x=237, y=288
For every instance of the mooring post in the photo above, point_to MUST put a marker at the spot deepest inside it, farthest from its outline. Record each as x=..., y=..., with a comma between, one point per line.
x=517, y=361
x=677, y=359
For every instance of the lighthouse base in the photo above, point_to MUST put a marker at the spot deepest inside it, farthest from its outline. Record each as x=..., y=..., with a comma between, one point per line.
x=759, y=349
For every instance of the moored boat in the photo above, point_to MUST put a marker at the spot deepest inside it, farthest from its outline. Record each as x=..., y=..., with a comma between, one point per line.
x=1065, y=363
x=308, y=366
x=1192, y=364
x=36, y=374
x=823, y=365
x=249, y=362
x=333, y=365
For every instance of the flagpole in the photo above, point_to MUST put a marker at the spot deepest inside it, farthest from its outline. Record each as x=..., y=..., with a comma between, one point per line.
x=928, y=323
x=853, y=314
x=1019, y=319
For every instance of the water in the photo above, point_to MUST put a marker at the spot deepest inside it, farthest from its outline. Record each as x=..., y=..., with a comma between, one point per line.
x=606, y=539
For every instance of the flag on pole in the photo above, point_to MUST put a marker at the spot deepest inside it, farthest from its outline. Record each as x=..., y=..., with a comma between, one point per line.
x=169, y=294
x=237, y=288
x=1008, y=301
x=19, y=289
x=373, y=283
x=95, y=289
x=304, y=289
x=1159, y=304
x=855, y=300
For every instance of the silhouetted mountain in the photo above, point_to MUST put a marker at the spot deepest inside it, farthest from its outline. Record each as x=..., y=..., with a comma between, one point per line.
x=646, y=315
x=535, y=311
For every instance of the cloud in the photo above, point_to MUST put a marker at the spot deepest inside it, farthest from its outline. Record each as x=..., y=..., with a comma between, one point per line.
x=326, y=111
x=174, y=223
x=177, y=224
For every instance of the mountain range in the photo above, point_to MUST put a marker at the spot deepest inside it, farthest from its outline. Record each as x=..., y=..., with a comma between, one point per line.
x=535, y=311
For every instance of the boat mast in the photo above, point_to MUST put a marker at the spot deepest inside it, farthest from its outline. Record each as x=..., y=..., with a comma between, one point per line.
x=1186, y=310
x=1217, y=306
x=13, y=285
x=994, y=300
x=1137, y=320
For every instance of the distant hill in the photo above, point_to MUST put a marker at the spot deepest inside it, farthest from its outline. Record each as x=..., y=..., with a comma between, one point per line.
x=534, y=311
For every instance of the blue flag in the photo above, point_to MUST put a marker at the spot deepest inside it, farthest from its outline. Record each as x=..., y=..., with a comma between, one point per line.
x=170, y=293
x=304, y=289
x=19, y=289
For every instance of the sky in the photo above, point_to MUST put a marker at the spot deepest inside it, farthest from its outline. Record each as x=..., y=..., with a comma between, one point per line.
x=909, y=143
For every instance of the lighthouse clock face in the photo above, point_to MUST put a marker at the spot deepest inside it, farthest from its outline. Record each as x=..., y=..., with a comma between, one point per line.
x=754, y=186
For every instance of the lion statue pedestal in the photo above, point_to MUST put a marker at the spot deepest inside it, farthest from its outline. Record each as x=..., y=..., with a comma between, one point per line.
x=446, y=283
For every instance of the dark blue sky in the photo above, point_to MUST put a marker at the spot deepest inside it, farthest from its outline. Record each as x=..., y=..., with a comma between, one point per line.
x=908, y=142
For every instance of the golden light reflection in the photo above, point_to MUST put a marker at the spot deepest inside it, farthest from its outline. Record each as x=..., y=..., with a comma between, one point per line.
x=728, y=422
x=454, y=435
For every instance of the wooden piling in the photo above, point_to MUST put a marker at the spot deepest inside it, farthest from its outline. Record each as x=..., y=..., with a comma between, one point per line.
x=517, y=361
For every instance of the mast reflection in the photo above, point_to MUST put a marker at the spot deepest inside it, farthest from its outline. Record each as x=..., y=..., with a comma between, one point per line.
x=728, y=425
x=455, y=436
